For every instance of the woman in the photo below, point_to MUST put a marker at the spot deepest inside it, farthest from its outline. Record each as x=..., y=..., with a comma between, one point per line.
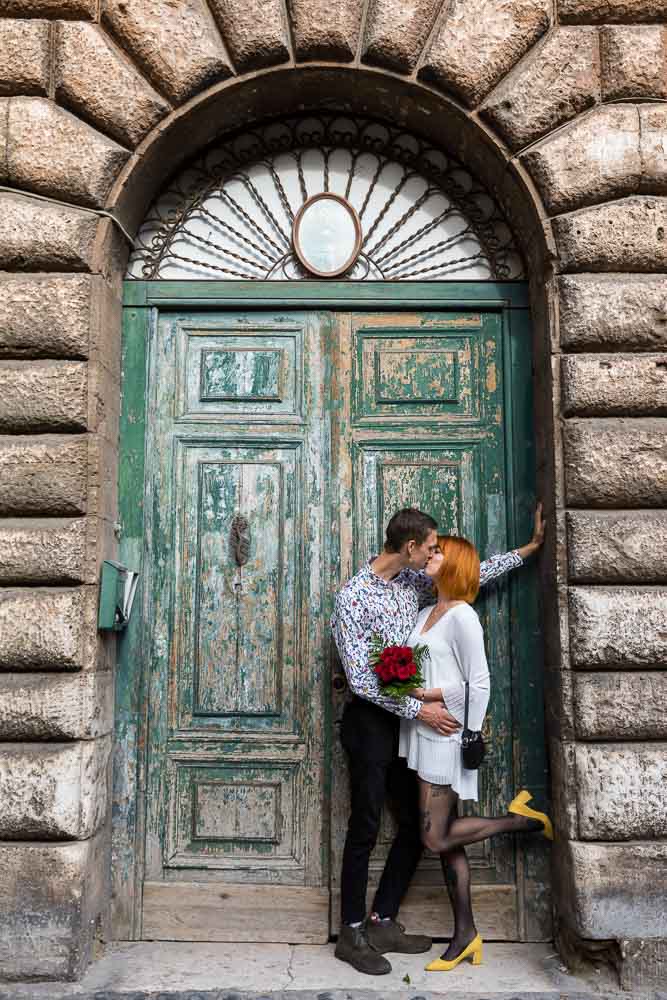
x=452, y=632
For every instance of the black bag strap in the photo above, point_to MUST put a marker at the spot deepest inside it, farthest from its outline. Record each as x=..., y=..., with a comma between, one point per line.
x=465, y=716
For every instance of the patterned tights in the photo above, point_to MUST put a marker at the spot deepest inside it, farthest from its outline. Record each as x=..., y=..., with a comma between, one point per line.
x=447, y=834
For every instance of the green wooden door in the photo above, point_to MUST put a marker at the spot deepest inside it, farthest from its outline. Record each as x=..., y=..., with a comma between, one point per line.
x=311, y=426
x=422, y=425
x=235, y=833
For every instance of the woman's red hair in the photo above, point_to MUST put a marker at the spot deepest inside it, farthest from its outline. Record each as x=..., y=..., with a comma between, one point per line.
x=459, y=574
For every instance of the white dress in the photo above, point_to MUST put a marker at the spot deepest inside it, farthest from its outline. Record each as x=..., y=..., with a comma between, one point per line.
x=456, y=647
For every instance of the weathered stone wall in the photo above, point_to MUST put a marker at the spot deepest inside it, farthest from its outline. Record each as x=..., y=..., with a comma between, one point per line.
x=557, y=105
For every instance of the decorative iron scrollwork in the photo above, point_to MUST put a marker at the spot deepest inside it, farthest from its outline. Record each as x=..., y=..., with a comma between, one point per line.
x=231, y=213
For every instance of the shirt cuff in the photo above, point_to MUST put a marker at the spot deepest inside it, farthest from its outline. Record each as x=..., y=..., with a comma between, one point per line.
x=412, y=707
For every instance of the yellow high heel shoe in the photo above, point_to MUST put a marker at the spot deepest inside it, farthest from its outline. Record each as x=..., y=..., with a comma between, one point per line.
x=519, y=808
x=473, y=950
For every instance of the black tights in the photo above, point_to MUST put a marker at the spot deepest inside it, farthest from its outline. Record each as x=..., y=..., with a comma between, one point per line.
x=447, y=834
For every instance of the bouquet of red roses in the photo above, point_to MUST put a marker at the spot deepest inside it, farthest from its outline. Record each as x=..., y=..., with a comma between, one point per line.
x=398, y=668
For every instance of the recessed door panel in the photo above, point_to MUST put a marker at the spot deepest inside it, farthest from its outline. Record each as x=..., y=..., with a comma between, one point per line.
x=237, y=622
x=413, y=374
x=254, y=372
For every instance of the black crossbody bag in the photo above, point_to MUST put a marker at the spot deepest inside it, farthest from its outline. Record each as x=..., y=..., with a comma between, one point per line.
x=472, y=744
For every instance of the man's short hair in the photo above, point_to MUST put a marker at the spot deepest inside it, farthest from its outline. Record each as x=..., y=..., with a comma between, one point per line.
x=406, y=525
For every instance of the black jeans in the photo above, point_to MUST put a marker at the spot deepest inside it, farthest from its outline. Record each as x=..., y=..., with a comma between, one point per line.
x=370, y=736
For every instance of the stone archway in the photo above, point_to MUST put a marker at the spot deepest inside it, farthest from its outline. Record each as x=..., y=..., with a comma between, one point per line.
x=560, y=119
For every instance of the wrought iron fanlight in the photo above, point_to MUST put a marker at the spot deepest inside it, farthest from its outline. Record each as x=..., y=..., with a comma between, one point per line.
x=240, y=210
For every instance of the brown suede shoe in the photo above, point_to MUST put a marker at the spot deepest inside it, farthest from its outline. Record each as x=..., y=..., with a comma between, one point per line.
x=353, y=947
x=389, y=935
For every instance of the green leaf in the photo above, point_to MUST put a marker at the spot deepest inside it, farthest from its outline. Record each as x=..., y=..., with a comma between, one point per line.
x=406, y=979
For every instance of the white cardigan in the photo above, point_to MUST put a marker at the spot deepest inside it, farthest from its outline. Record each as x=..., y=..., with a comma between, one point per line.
x=456, y=655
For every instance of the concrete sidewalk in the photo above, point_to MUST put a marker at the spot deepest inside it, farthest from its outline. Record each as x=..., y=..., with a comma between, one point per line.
x=302, y=972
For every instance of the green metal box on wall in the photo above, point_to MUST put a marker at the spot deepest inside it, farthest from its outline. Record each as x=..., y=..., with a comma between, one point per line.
x=118, y=586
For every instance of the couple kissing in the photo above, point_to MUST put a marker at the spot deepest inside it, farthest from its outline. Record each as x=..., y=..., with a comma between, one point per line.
x=408, y=749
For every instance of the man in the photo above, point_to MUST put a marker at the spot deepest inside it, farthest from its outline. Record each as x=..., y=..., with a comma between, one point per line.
x=384, y=598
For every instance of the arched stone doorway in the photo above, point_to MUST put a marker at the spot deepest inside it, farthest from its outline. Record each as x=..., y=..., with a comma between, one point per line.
x=309, y=410
x=580, y=175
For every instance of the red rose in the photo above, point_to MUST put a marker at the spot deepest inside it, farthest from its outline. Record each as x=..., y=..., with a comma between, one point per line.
x=404, y=672
x=382, y=673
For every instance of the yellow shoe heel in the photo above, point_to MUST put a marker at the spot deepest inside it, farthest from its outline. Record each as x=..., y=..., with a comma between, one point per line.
x=519, y=808
x=519, y=800
x=473, y=951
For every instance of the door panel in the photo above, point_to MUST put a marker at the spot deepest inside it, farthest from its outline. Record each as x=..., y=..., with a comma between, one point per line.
x=237, y=615
x=236, y=743
x=424, y=426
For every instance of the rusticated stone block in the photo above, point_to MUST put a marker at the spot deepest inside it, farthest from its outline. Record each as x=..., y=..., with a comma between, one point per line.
x=479, y=41
x=323, y=31
x=51, y=550
x=558, y=80
x=96, y=81
x=43, y=475
x=616, y=890
x=626, y=235
x=45, y=315
x=634, y=61
x=43, y=396
x=53, y=153
x=4, y=115
x=47, y=629
x=564, y=776
x=611, y=11
x=614, y=385
x=624, y=546
x=643, y=963
x=51, y=898
x=621, y=790
x=616, y=463
x=621, y=706
x=396, y=32
x=254, y=30
x=618, y=628
x=50, y=8
x=53, y=791
x=177, y=45
x=24, y=57
x=574, y=168
x=613, y=312
x=56, y=706
x=653, y=131
x=37, y=236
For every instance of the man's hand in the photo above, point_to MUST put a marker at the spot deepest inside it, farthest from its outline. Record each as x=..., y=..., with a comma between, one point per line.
x=539, y=526
x=435, y=715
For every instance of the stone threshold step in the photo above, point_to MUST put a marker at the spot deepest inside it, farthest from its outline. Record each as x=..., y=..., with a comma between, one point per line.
x=26, y=992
